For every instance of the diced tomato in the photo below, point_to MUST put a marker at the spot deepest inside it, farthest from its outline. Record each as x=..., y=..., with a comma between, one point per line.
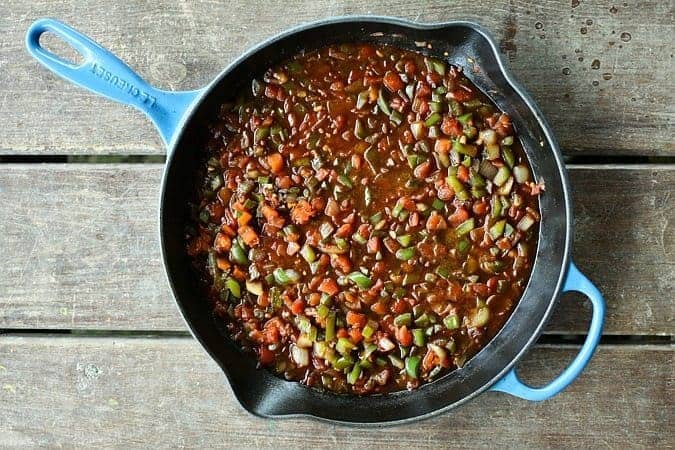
x=284, y=182
x=249, y=236
x=460, y=215
x=379, y=308
x=354, y=74
x=314, y=299
x=371, y=81
x=318, y=203
x=271, y=330
x=364, y=230
x=272, y=216
x=216, y=211
x=434, y=79
x=276, y=162
x=271, y=91
x=401, y=306
x=356, y=319
x=451, y=126
x=302, y=212
x=537, y=188
x=222, y=243
x=454, y=291
x=430, y=360
x=392, y=81
x=238, y=205
x=492, y=284
x=342, y=333
x=422, y=170
x=238, y=274
x=373, y=245
x=355, y=335
x=366, y=51
x=463, y=174
x=244, y=218
x=344, y=230
x=503, y=127
x=436, y=222
x=423, y=90
x=223, y=264
x=462, y=95
x=443, y=145
x=504, y=243
x=298, y=307
x=263, y=300
x=480, y=208
x=329, y=286
x=256, y=336
x=480, y=289
x=407, y=203
x=357, y=161
x=228, y=230
x=422, y=106
x=404, y=336
x=342, y=263
x=315, y=282
x=410, y=67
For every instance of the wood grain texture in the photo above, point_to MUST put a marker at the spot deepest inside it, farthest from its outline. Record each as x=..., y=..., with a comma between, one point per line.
x=80, y=248
x=91, y=392
x=602, y=74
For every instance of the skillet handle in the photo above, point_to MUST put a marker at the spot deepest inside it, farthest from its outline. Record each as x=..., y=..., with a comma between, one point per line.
x=105, y=74
x=511, y=384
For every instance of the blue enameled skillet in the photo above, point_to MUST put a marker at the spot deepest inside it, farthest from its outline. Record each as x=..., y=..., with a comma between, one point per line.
x=180, y=119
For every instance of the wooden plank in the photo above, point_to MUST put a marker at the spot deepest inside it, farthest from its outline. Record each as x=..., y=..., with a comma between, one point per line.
x=624, y=240
x=81, y=251
x=87, y=392
x=579, y=60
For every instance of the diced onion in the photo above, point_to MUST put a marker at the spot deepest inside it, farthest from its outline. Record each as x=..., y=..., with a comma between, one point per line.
x=385, y=344
x=525, y=223
x=488, y=137
x=440, y=351
x=481, y=317
x=303, y=341
x=521, y=173
x=254, y=287
x=417, y=129
x=300, y=355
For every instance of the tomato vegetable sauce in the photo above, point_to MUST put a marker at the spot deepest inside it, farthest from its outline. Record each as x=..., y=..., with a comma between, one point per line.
x=365, y=221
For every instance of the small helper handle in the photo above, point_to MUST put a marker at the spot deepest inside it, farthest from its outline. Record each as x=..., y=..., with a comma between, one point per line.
x=511, y=384
x=105, y=74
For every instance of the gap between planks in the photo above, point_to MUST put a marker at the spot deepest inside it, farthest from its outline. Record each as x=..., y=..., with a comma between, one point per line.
x=555, y=339
x=574, y=162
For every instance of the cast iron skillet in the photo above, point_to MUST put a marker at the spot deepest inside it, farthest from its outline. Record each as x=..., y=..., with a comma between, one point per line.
x=180, y=119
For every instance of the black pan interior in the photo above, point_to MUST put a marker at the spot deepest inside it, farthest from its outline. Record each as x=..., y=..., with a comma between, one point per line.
x=264, y=394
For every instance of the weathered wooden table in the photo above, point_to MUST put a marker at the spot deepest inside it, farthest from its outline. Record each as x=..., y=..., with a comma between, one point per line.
x=93, y=351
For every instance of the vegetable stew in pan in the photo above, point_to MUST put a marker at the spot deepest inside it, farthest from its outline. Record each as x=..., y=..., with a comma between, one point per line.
x=365, y=220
